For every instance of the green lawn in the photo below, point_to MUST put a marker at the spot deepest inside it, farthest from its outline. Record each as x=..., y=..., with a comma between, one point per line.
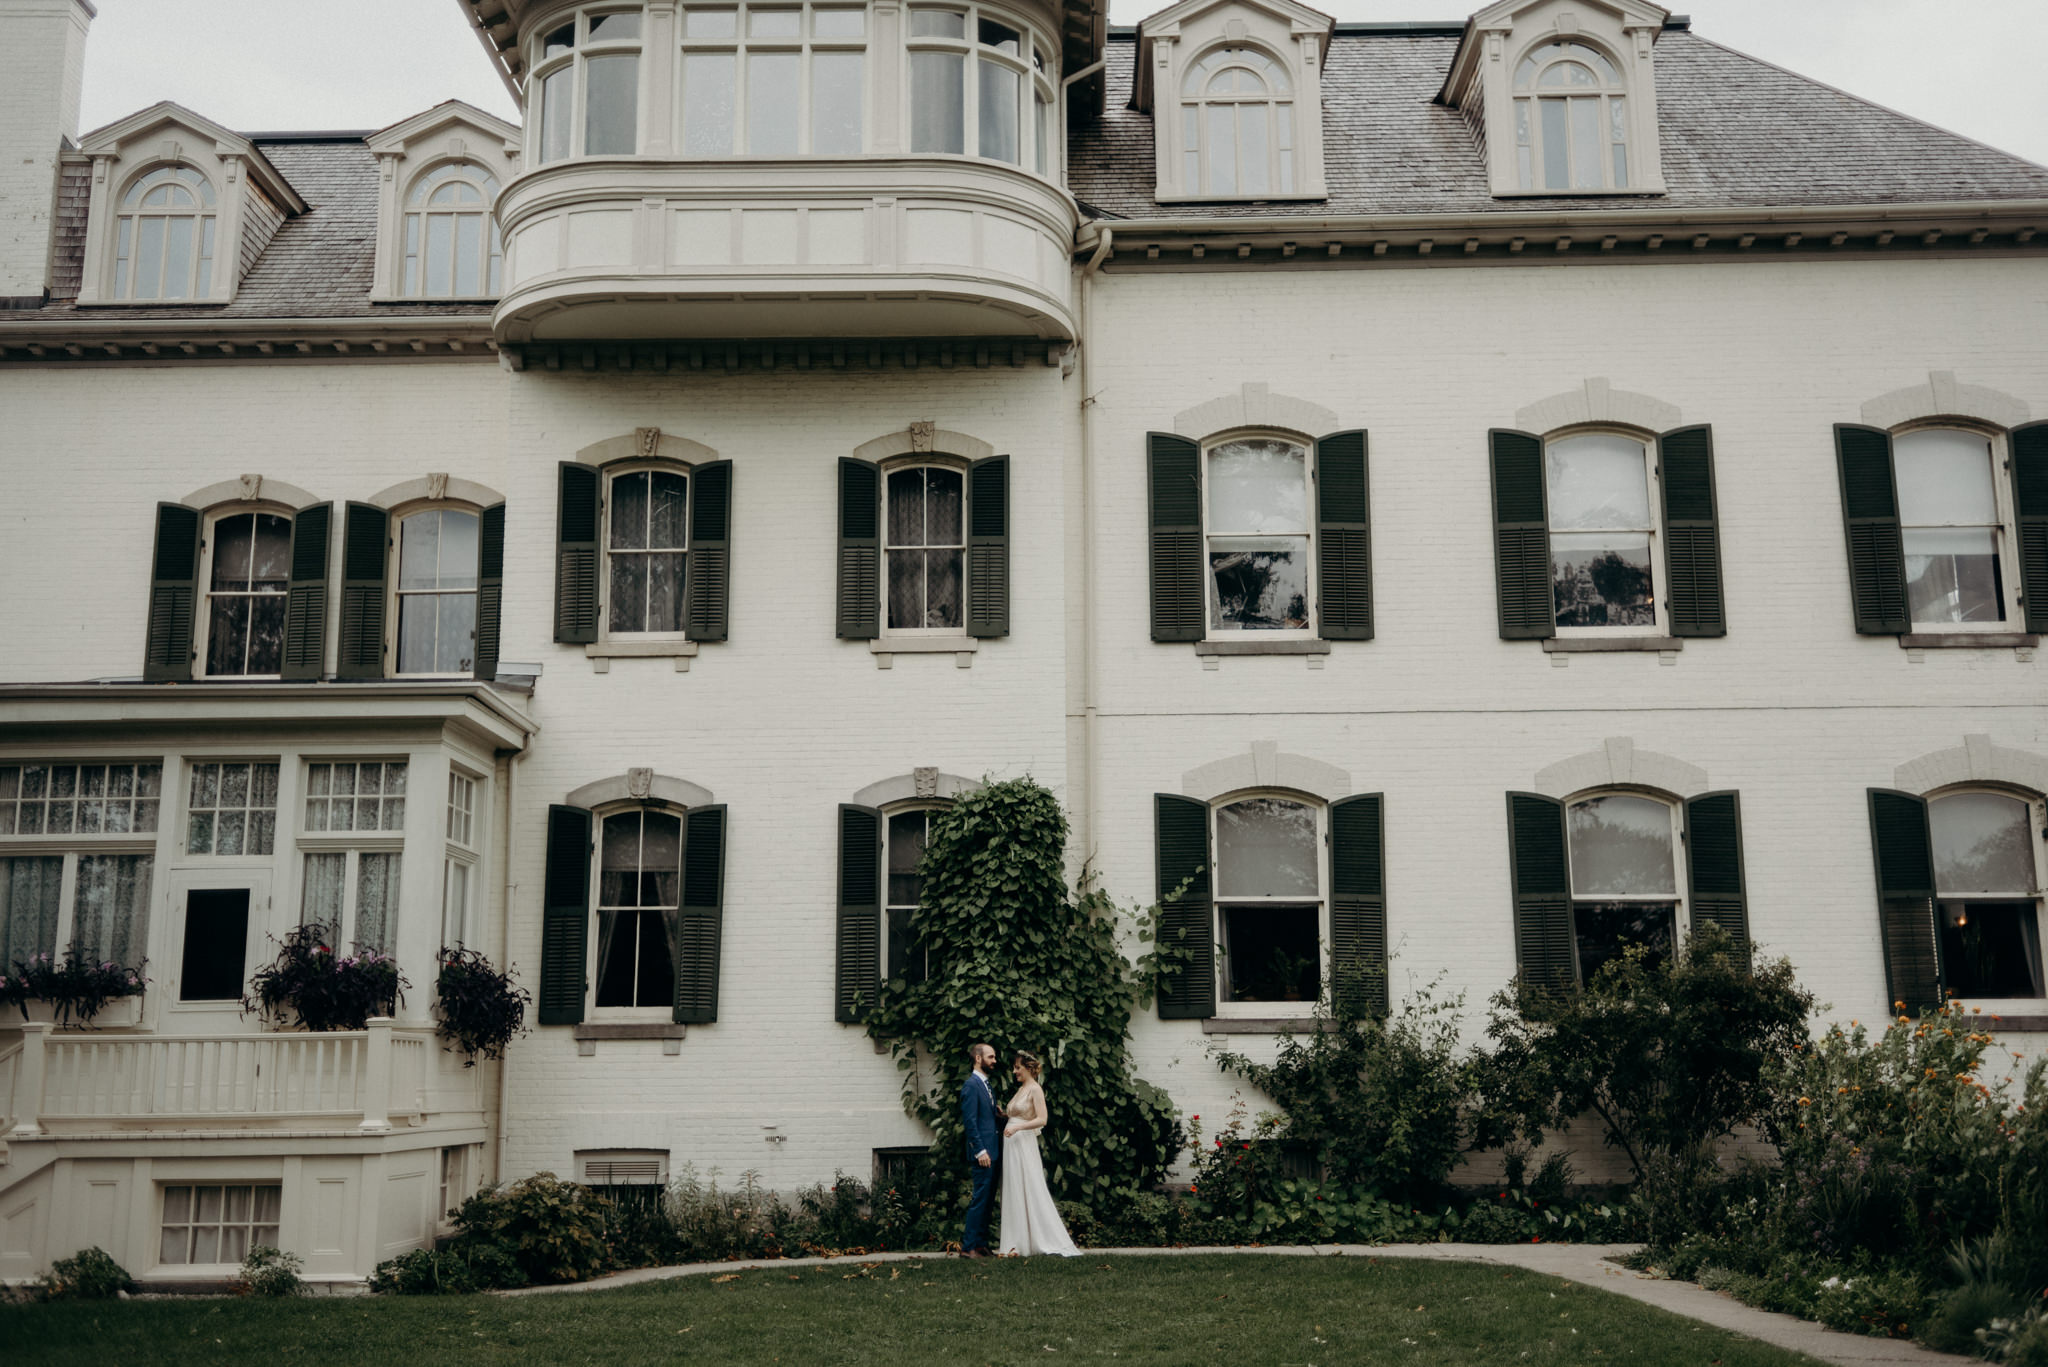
x=1244, y=1311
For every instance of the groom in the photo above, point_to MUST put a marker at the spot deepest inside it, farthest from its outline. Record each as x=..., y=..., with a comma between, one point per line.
x=984, y=1149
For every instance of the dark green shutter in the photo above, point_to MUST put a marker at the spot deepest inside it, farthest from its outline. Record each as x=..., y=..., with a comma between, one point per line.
x=1358, y=904
x=1692, y=534
x=708, y=583
x=365, y=539
x=1181, y=835
x=173, y=595
x=1343, y=538
x=988, y=547
x=1175, y=490
x=2030, y=508
x=1904, y=856
x=1870, y=519
x=565, y=917
x=305, y=604
x=1546, y=952
x=576, y=551
x=697, y=933
x=1521, y=537
x=860, y=549
x=860, y=912
x=1713, y=854
x=490, y=589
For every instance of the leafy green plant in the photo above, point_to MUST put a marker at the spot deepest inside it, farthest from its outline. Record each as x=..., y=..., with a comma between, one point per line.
x=1881, y=1304
x=549, y=1229
x=73, y=986
x=91, y=1274
x=272, y=1272
x=426, y=1272
x=321, y=989
x=480, y=1010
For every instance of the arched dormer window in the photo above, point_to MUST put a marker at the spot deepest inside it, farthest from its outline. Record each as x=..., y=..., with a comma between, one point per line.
x=1237, y=116
x=1571, y=119
x=452, y=247
x=164, y=236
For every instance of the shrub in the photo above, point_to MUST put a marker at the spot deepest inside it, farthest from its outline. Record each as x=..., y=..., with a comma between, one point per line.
x=323, y=990
x=1953, y=1326
x=1885, y=1304
x=269, y=1271
x=89, y=1275
x=425, y=1272
x=73, y=986
x=481, y=1010
x=547, y=1229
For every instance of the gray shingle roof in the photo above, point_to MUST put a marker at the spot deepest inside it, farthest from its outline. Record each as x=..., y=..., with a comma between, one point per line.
x=1737, y=133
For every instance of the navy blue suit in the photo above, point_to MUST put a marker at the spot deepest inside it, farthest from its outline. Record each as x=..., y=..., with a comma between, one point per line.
x=978, y=1117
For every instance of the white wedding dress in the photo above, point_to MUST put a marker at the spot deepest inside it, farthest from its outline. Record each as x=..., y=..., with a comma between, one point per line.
x=1031, y=1223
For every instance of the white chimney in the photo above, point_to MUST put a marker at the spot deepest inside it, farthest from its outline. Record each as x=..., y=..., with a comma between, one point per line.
x=42, y=47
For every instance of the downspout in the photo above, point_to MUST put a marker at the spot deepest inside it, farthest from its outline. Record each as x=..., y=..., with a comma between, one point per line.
x=501, y=946
x=1090, y=769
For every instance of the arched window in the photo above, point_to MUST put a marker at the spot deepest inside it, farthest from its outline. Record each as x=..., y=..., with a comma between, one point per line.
x=452, y=248
x=436, y=591
x=163, y=236
x=646, y=549
x=595, y=52
x=1987, y=880
x=1237, y=116
x=909, y=832
x=1270, y=901
x=1571, y=120
x=1258, y=530
x=1603, y=523
x=926, y=548
x=1952, y=525
x=1624, y=876
x=247, y=569
x=639, y=907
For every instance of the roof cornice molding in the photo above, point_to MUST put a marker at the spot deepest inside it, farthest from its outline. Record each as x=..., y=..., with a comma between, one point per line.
x=429, y=121
x=106, y=140
x=107, y=338
x=484, y=711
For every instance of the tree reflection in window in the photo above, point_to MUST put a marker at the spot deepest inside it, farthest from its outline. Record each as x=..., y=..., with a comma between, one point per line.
x=1258, y=535
x=1600, y=531
x=1984, y=874
x=1624, y=878
x=1269, y=894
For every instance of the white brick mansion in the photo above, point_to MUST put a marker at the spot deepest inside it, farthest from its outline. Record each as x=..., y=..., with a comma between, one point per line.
x=1471, y=495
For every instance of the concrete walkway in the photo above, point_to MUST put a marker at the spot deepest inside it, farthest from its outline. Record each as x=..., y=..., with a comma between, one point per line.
x=1583, y=1263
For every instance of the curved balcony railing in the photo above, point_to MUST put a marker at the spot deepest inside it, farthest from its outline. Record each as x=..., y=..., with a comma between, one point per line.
x=632, y=248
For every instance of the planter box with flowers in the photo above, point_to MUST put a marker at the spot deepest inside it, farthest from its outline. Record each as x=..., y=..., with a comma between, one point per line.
x=72, y=992
x=311, y=985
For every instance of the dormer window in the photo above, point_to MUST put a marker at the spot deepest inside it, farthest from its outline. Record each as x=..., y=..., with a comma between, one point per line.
x=1237, y=114
x=452, y=247
x=586, y=79
x=439, y=173
x=1571, y=120
x=164, y=236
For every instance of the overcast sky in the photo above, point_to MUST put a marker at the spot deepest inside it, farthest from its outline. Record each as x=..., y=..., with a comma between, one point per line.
x=264, y=65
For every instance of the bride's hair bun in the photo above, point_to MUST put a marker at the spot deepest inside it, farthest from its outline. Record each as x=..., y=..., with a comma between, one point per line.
x=1029, y=1060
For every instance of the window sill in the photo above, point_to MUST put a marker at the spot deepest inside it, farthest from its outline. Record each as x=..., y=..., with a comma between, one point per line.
x=1560, y=649
x=885, y=649
x=1247, y=1025
x=670, y=1035
x=2021, y=643
x=2002, y=1024
x=602, y=653
x=1211, y=652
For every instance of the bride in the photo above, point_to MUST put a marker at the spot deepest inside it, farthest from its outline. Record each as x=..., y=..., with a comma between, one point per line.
x=1031, y=1223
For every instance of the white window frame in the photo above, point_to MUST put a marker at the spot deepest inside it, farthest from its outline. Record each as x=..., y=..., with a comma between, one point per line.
x=923, y=461
x=1281, y=130
x=394, y=596
x=595, y=970
x=202, y=628
x=1525, y=132
x=1036, y=65
x=412, y=251
x=1222, y=903
x=457, y=1182
x=163, y=1187
x=930, y=807
x=576, y=60
x=1653, y=489
x=604, y=532
x=2004, y=539
x=1210, y=604
x=2037, y=822
x=203, y=266
x=462, y=852
x=351, y=844
x=804, y=45
x=286, y=795
x=70, y=845
x=1681, y=898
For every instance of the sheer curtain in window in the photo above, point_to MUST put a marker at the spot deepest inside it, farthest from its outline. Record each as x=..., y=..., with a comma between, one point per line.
x=29, y=889
x=110, y=912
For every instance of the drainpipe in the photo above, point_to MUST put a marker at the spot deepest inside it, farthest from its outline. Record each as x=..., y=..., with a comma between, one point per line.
x=1090, y=769
x=501, y=946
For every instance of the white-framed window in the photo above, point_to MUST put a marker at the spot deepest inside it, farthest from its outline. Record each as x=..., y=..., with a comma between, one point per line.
x=352, y=844
x=245, y=563
x=773, y=80
x=1237, y=125
x=452, y=246
x=908, y=831
x=77, y=859
x=1255, y=492
x=208, y=1225
x=981, y=82
x=231, y=807
x=164, y=236
x=1954, y=511
x=1571, y=119
x=461, y=809
x=647, y=543
x=434, y=590
x=1272, y=905
x=458, y=871
x=1604, y=526
x=639, y=871
x=925, y=547
x=457, y=1180
x=586, y=85
x=1625, y=871
x=1988, y=884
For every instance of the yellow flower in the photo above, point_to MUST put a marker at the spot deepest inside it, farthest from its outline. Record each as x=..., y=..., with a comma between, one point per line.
x=1806, y=1101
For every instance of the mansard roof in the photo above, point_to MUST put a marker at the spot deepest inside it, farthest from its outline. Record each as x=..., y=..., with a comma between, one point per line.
x=1737, y=133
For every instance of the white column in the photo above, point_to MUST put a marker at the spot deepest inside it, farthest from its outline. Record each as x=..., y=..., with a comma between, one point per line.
x=28, y=1080
x=658, y=66
x=377, y=1074
x=888, y=79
